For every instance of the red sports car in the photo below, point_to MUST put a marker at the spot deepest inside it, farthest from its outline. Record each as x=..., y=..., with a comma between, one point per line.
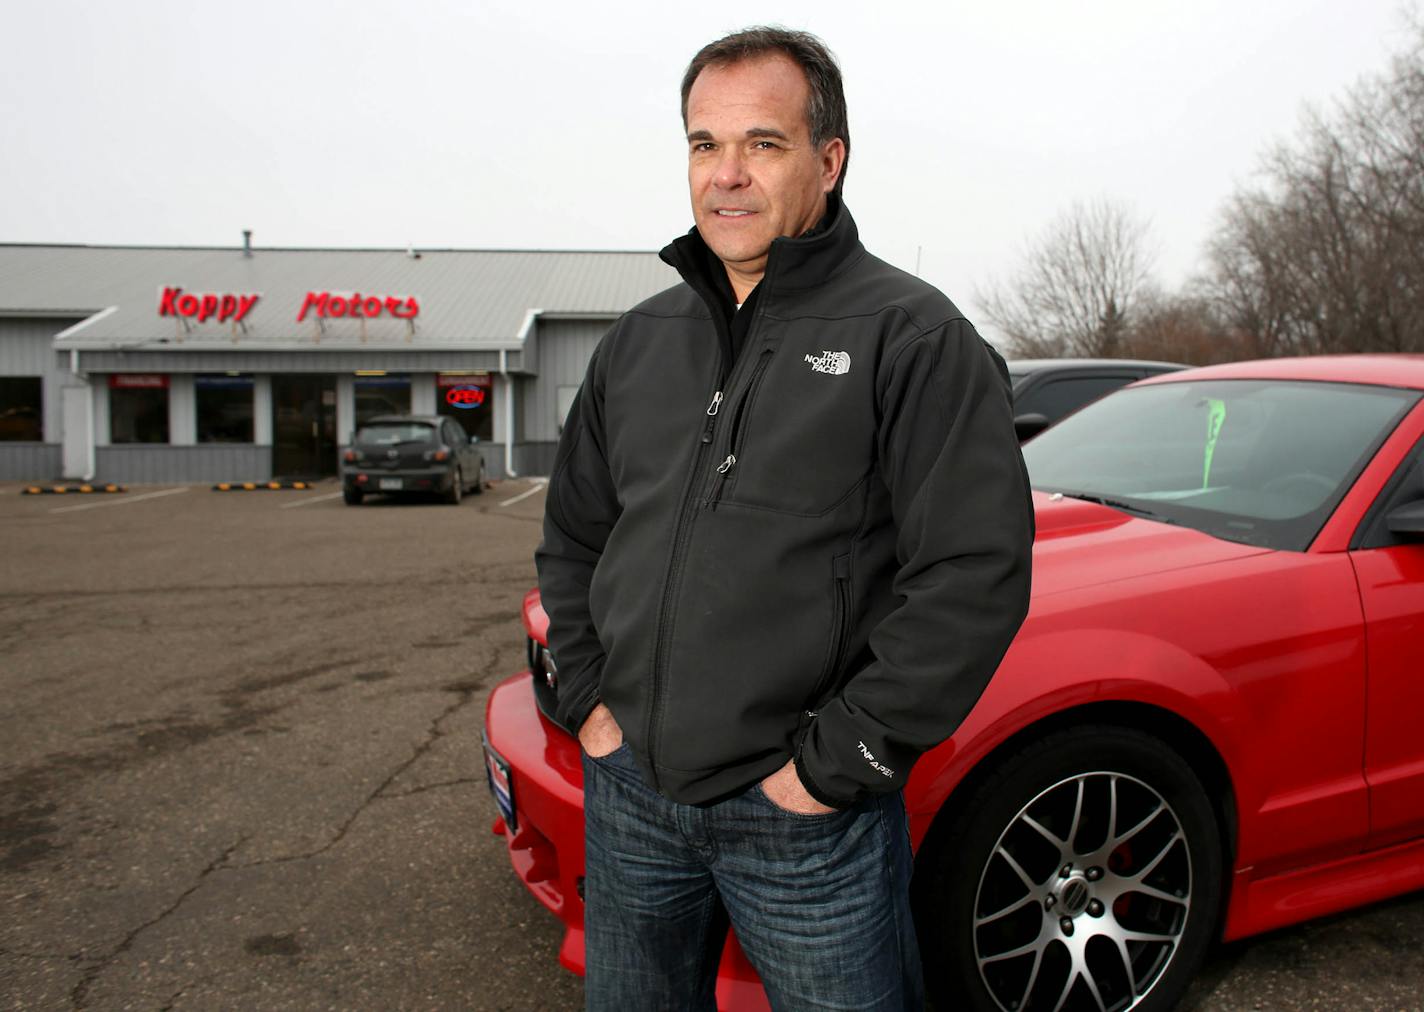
x=1208, y=726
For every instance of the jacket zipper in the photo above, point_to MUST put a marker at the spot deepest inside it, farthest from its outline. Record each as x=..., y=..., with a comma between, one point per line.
x=724, y=469
x=840, y=629
x=679, y=544
x=695, y=481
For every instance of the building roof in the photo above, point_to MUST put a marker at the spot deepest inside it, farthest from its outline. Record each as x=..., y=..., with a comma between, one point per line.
x=468, y=298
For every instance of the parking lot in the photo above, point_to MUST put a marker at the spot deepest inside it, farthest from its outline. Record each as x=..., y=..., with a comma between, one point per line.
x=240, y=767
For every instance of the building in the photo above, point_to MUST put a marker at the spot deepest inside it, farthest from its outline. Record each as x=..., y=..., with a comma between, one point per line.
x=182, y=364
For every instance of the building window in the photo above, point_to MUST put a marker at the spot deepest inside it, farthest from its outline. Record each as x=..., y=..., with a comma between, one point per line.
x=21, y=409
x=224, y=408
x=469, y=399
x=381, y=395
x=138, y=408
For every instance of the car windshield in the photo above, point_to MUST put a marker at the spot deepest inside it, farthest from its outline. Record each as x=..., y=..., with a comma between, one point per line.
x=391, y=433
x=1257, y=461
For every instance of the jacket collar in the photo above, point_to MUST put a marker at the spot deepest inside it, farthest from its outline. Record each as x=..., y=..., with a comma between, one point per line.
x=795, y=264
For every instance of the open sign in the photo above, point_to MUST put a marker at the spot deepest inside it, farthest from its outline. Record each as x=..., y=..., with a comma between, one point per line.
x=465, y=397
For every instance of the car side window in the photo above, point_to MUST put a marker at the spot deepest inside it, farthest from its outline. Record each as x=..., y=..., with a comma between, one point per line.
x=452, y=436
x=1058, y=397
x=1406, y=486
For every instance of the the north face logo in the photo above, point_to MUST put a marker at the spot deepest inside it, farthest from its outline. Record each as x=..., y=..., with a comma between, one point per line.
x=837, y=363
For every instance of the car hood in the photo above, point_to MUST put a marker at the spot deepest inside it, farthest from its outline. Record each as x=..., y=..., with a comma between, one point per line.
x=1082, y=544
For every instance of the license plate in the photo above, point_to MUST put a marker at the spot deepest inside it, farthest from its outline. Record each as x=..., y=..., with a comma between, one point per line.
x=501, y=784
x=390, y=484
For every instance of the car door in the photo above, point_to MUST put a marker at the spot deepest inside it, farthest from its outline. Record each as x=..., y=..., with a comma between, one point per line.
x=1389, y=568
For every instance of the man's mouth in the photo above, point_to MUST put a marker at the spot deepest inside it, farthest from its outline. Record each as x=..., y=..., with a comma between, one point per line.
x=724, y=213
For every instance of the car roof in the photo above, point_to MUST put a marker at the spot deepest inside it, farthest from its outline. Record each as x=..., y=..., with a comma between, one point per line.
x=1029, y=365
x=402, y=420
x=1399, y=370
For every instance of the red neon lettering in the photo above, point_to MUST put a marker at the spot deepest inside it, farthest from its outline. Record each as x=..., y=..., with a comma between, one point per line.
x=465, y=395
x=188, y=305
x=337, y=306
x=228, y=307
x=372, y=306
x=244, y=305
x=315, y=301
x=411, y=306
x=209, y=307
x=165, y=304
x=392, y=303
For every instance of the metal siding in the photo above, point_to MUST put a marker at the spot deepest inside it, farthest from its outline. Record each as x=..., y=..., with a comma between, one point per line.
x=177, y=465
x=29, y=461
x=26, y=349
x=534, y=459
x=565, y=347
x=494, y=459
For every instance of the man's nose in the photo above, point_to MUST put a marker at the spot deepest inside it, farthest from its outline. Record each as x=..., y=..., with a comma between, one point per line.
x=731, y=170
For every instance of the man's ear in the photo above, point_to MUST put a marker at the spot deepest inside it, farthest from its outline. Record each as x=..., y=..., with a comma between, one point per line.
x=832, y=161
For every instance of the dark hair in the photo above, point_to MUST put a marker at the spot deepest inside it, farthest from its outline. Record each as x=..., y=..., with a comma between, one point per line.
x=826, y=106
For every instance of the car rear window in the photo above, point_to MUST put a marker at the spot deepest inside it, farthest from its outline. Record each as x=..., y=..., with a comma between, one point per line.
x=391, y=433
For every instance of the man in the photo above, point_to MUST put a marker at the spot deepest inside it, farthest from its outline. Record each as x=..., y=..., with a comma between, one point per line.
x=785, y=547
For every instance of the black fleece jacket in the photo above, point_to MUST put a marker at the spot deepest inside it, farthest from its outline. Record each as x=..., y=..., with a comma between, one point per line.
x=818, y=550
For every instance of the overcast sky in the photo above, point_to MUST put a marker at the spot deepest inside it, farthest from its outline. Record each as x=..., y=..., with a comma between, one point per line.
x=555, y=124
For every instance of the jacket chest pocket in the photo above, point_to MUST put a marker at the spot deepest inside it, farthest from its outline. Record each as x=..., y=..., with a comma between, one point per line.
x=803, y=433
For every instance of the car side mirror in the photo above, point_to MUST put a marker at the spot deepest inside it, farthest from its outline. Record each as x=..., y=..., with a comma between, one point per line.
x=1407, y=520
x=474, y=439
x=1029, y=425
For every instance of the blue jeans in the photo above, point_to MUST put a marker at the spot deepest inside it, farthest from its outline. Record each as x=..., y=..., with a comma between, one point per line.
x=820, y=903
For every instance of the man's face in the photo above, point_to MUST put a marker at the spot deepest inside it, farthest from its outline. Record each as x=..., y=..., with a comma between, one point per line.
x=752, y=170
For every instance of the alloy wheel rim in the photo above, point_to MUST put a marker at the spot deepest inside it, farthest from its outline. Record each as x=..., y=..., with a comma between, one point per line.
x=1084, y=899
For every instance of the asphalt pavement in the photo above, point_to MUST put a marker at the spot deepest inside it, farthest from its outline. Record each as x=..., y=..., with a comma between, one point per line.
x=240, y=767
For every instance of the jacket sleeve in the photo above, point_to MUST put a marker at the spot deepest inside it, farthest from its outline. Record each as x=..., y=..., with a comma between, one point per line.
x=964, y=517
x=581, y=507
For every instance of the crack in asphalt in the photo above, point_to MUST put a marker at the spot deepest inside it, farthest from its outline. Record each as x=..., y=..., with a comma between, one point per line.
x=432, y=787
x=79, y=996
x=435, y=732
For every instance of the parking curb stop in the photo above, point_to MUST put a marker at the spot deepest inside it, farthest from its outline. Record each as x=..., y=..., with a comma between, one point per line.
x=262, y=486
x=84, y=489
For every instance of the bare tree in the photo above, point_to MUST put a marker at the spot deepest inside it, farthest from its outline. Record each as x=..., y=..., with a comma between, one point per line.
x=1327, y=253
x=1079, y=285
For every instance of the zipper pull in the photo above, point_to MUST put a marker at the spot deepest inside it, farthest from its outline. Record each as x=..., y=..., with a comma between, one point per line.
x=726, y=465
x=716, y=403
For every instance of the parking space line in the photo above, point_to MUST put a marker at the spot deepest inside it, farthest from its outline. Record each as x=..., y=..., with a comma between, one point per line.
x=538, y=487
x=308, y=502
x=119, y=501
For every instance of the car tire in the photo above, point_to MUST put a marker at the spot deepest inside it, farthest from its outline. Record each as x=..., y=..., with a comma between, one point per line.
x=457, y=488
x=479, y=488
x=1084, y=872
x=352, y=496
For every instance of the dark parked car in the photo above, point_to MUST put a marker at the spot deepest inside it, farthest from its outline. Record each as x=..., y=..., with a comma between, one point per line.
x=393, y=454
x=1047, y=389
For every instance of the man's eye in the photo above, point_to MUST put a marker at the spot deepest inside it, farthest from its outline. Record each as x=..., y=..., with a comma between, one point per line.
x=702, y=146
x=765, y=145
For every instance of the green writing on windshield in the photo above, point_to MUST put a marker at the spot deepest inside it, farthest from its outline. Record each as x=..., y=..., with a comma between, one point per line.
x=1215, y=416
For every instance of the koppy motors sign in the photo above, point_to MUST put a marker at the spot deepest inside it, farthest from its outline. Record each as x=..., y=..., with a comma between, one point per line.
x=234, y=306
